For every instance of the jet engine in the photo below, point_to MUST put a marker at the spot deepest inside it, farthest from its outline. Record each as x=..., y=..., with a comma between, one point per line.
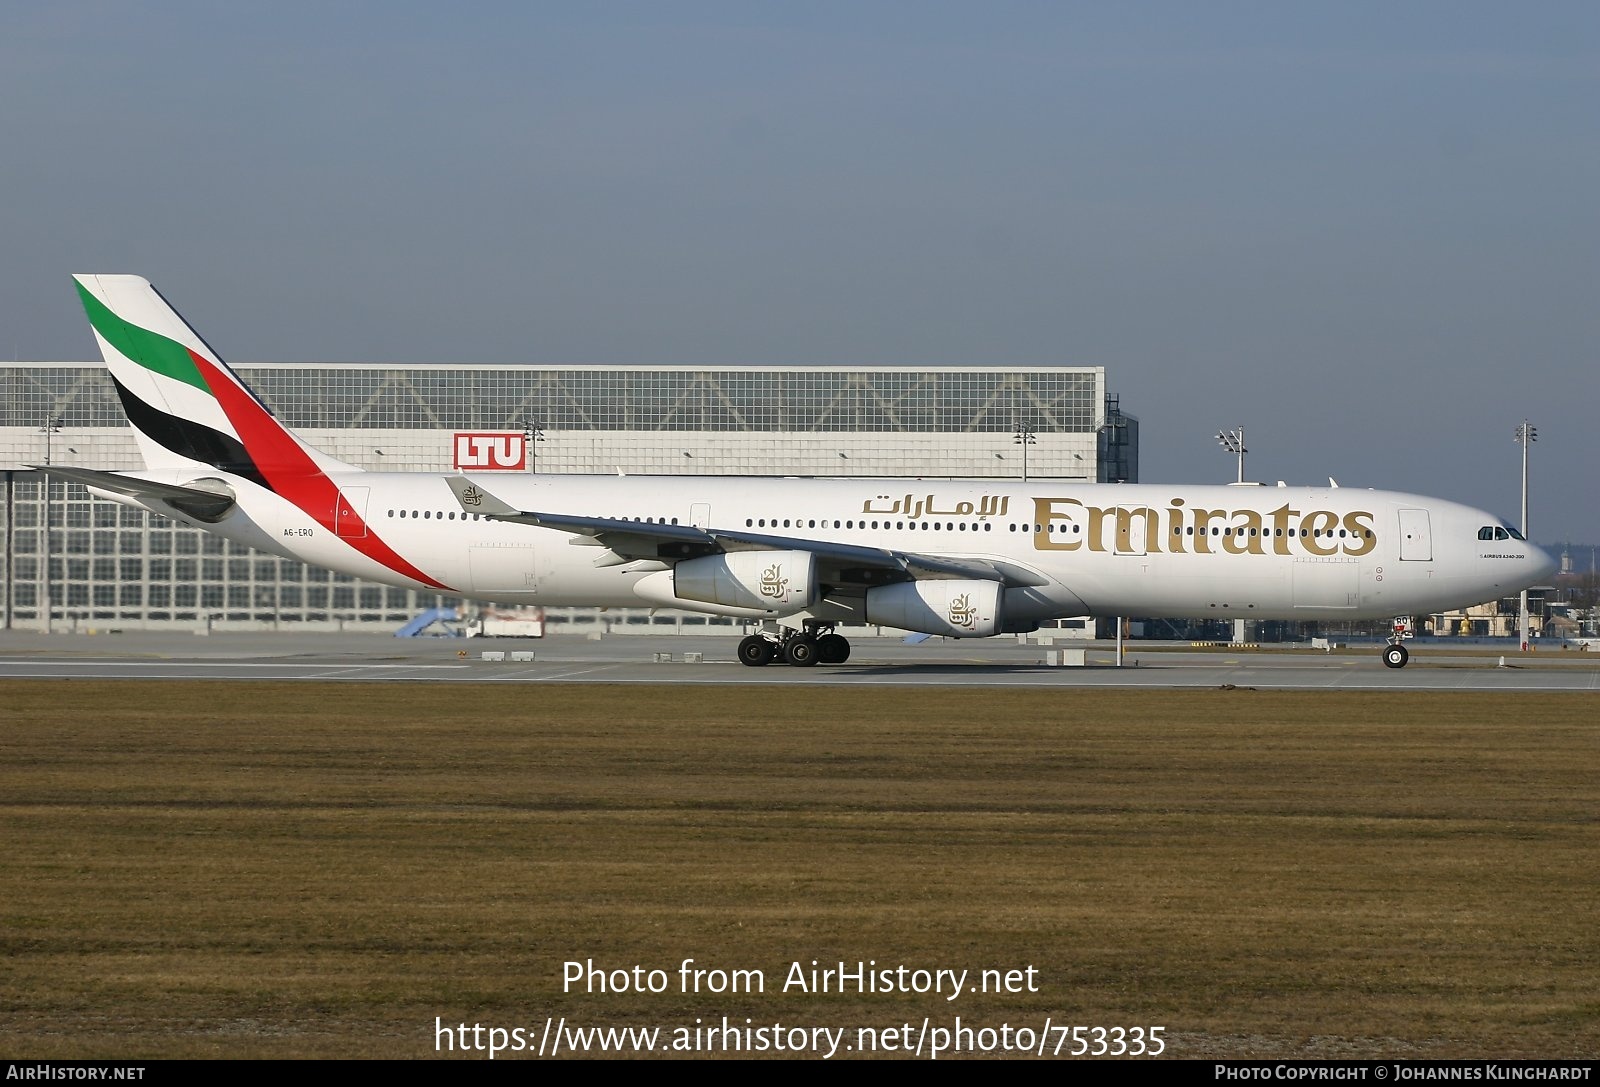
x=955, y=609
x=773, y=582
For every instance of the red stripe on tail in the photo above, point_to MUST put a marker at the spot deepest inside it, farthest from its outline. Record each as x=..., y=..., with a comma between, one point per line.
x=294, y=475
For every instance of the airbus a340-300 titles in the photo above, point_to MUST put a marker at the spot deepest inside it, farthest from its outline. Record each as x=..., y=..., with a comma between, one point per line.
x=959, y=559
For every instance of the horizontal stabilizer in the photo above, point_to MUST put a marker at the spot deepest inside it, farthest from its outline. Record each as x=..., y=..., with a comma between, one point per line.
x=202, y=505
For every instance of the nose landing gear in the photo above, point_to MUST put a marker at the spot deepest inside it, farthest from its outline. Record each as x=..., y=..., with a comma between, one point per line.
x=1395, y=653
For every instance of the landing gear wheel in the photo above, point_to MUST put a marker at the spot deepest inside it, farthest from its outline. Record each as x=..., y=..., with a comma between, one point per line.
x=755, y=651
x=801, y=652
x=833, y=648
x=1395, y=656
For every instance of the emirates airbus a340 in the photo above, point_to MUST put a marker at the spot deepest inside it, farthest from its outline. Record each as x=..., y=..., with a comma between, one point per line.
x=959, y=559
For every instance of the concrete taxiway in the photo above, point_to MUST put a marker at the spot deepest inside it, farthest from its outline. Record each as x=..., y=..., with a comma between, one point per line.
x=1000, y=662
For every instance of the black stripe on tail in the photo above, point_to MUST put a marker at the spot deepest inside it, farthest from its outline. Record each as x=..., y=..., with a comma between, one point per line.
x=190, y=439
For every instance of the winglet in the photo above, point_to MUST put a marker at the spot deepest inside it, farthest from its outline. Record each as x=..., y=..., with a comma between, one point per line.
x=474, y=499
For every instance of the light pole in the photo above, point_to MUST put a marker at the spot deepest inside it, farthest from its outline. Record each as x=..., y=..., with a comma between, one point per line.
x=52, y=427
x=1526, y=435
x=1024, y=437
x=532, y=435
x=1233, y=442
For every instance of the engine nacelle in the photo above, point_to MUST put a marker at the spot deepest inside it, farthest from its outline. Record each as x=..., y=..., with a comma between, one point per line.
x=955, y=609
x=774, y=582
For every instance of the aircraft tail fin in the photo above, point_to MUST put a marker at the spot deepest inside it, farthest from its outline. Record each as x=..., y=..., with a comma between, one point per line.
x=188, y=409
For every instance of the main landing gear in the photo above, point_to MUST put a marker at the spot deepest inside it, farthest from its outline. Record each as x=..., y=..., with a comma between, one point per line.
x=816, y=643
x=1395, y=654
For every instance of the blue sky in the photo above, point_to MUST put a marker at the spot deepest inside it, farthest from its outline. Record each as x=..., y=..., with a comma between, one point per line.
x=1370, y=233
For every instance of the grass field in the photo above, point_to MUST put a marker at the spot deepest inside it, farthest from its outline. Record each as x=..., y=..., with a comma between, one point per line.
x=211, y=869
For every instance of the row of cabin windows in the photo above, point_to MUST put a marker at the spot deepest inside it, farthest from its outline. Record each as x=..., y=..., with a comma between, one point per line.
x=949, y=526
x=1316, y=533
x=451, y=515
x=962, y=526
x=442, y=515
x=936, y=526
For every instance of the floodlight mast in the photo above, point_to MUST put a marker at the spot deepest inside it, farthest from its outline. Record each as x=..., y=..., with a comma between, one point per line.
x=1233, y=442
x=1024, y=437
x=532, y=435
x=52, y=427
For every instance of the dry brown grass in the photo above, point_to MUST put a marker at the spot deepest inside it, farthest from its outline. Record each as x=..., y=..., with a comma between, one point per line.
x=210, y=869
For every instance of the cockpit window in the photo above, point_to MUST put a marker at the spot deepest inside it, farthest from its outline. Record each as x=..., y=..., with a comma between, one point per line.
x=1499, y=532
x=1486, y=532
x=1515, y=535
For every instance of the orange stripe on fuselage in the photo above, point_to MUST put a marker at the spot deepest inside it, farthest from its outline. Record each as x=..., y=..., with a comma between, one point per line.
x=291, y=473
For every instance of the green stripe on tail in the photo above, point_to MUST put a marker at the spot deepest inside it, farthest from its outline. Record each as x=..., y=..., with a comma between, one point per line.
x=149, y=349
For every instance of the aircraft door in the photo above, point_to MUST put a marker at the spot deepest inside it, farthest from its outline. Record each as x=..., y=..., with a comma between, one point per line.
x=700, y=514
x=1416, y=539
x=350, y=513
x=1133, y=530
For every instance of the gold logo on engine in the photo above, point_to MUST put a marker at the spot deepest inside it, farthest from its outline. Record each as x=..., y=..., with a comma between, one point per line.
x=962, y=613
x=773, y=583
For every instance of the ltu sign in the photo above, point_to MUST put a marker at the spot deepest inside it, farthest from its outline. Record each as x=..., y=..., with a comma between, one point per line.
x=491, y=452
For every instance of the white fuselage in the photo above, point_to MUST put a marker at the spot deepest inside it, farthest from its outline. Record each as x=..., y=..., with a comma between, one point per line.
x=1179, y=551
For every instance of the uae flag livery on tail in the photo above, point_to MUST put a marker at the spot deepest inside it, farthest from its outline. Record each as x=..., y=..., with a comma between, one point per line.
x=189, y=411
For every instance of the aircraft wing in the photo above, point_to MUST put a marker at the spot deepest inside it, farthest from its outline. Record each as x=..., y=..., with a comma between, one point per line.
x=838, y=563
